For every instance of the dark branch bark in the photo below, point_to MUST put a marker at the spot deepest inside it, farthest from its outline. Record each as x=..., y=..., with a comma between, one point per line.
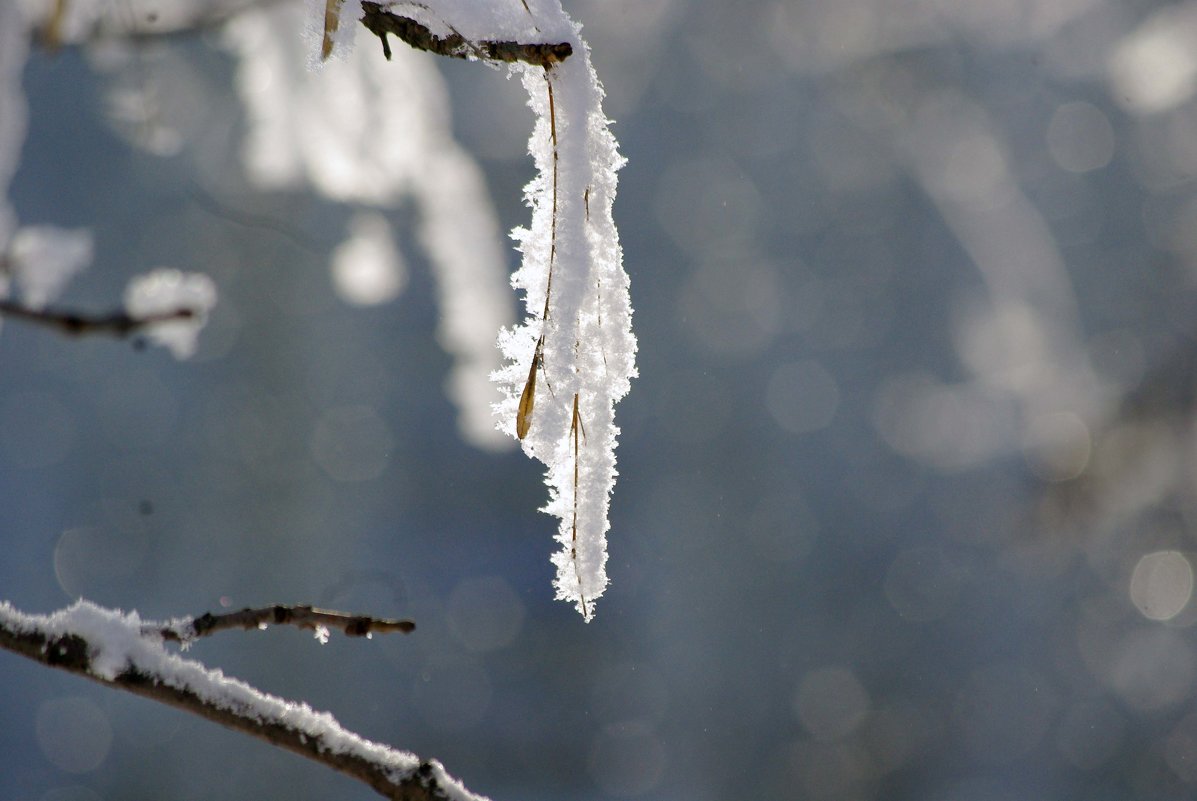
x=381, y=22
x=304, y=617
x=73, y=653
x=118, y=324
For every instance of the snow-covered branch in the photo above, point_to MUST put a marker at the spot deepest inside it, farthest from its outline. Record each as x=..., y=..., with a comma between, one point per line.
x=122, y=651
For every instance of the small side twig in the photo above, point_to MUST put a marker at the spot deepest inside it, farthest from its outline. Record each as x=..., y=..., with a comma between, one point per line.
x=381, y=22
x=118, y=323
x=300, y=616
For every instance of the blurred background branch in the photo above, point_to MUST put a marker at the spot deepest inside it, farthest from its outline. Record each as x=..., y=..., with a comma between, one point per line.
x=118, y=323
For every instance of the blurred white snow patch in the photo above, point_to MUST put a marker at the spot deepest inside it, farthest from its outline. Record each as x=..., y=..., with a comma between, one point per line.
x=1162, y=584
x=73, y=21
x=367, y=131
x=14, y=112
x=1154, y=68
x=135, y=112
x=45, y=258
x=471, y=390
x=367, y=268
x=166, y=290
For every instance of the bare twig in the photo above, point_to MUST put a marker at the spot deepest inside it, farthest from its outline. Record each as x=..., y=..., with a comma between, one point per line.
x=144, y=668
x=304, y=617
x=381, y=22
x=118, y=323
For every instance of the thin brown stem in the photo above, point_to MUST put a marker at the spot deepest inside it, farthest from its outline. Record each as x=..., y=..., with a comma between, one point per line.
x=576, y=429
x=553, y=232
x=527, y=404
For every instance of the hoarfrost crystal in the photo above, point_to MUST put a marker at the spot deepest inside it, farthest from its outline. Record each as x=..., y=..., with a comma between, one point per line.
x=573, y=357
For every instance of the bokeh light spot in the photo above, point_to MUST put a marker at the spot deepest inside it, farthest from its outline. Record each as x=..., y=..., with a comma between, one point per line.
x=73, y=733
x=1056, y=446
x=88, y=555
x=1151, y=669
x=485, y=614
x=1162, y=584
x=627, y=759
x=830, y=702
x=1154, y=68
x=367, y=268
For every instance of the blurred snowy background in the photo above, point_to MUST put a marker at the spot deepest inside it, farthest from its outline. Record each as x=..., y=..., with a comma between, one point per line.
x=906, y=504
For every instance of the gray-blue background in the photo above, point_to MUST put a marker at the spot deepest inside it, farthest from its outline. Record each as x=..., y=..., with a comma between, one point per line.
x=870, y=539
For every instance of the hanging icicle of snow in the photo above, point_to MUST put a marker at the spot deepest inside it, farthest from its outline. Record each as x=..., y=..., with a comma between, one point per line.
x=573, y=357
x=363, y=130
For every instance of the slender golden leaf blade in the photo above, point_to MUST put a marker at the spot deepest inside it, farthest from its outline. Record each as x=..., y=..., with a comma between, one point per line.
x=523, y=418
x=332, y=20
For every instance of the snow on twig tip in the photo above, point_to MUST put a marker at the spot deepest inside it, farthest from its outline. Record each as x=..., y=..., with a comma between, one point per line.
x=172, y=306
